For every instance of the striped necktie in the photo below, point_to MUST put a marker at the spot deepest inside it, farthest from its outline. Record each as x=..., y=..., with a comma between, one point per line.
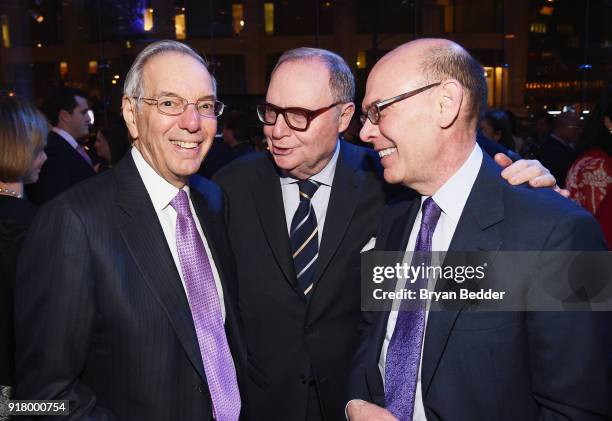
x=304, y=238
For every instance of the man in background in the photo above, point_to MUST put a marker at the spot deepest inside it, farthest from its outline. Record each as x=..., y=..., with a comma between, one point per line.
x=68, y=162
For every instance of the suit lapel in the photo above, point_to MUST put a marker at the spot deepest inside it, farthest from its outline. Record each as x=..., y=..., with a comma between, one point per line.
x=476, y=231
x=341, y=206
x=268, y=200
x=143, y=235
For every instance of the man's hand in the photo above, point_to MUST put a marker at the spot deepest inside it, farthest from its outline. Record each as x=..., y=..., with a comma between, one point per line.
x=528, y=170
x=358, y=410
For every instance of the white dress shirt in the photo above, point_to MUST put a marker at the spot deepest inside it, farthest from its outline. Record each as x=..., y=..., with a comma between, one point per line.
x=451, y=198
x=161, y=193
x=320, y=200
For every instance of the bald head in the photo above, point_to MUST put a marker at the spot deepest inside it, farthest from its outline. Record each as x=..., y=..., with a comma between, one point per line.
x=436, y=60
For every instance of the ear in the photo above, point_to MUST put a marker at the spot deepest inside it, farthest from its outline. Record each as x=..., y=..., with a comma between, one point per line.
x=607, y=123
x=63, y=117
x=128, y=108
x=449, y=102
x=346, y=113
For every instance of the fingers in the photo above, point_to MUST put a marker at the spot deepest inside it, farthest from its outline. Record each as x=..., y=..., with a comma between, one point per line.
x=502, y=160
x=545, y=180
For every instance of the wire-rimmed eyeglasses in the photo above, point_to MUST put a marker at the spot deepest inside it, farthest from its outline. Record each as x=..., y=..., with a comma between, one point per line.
x=174, y=105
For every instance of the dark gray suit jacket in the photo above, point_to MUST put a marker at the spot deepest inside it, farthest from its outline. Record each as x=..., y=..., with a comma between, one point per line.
x=102, y=318
x=287, y=338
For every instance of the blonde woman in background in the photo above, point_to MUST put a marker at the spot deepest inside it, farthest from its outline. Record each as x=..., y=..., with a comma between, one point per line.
x=23, y=133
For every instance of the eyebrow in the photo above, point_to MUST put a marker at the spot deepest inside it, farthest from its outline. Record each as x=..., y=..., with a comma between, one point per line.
x=168, y=93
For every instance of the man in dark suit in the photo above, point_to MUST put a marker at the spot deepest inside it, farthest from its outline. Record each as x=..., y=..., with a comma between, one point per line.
x=125, y=295
x=420, y=113
x=298, y=251
x=557, y=152
x=68, y=163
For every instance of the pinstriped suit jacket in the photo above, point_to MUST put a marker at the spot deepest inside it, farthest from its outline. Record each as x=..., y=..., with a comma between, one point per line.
x=102, y=317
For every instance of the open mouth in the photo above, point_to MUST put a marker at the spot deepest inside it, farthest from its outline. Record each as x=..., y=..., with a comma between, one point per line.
x=281, y=151
x=185, y=145
x=386, y=152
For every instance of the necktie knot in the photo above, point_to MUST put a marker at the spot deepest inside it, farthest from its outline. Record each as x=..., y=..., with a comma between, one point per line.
x=307, y=189
x=431, y=213
x=180, y=203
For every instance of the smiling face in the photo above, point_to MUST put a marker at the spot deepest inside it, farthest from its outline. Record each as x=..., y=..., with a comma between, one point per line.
x=173, y=145
x=304, y=84
x=405, y=137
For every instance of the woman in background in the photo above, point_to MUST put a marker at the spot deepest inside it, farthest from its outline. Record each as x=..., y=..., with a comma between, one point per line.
x=589, y=179
x=23, y=134
x=111, y=145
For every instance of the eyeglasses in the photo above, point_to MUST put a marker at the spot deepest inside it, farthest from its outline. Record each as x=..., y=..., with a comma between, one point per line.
x=373, y=113
x=296, y=118
x=175, y=105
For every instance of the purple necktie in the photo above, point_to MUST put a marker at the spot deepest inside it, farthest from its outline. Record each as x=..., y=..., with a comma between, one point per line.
x=206, y=311
x=81, y=150
x=404, y=352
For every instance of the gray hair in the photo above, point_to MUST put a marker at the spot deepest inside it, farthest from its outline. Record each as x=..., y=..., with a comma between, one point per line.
x=341, y=80
x=452, y=61
x=134, y=78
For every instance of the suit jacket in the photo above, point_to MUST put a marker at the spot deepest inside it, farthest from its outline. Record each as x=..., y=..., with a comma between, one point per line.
x=64, y=168
x=501, y=365
x=102, y=317
x=557, y=157
x=287, y=338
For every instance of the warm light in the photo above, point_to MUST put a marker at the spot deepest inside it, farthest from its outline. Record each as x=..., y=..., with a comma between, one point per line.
x=114, y=82
x=361, y=60
x=39, y=18
x=510, y=36
x=93, y=67
x=128, y=44
x=63, y=70
x=327, y=3
x=547, y=10
x=116, y=77
x=538, y=28
x=39, y=45
x=148, y=19
x=6, y=35
x=269, y=18
x=180, y=26
x=237, y=18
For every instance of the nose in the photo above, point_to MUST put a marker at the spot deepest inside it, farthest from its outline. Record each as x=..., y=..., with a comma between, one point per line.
x=190, y=119
x=280, y=128
x=368, y=131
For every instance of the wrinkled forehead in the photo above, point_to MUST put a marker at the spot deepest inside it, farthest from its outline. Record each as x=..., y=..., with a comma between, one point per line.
x=178, y=74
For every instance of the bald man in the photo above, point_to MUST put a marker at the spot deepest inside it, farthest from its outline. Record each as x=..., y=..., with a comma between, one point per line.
x=421, y=110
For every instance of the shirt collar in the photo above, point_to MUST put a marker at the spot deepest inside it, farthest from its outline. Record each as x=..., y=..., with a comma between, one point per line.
x=453, y=194
x=66, y=136
x=160, y=191
x=325, y=176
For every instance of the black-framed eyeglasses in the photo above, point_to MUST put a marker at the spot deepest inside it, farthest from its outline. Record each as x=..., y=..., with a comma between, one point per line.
x=174, y=105
x=296, y=118
x=373, y=113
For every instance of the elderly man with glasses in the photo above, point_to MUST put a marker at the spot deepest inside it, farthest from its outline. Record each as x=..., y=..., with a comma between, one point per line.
x=125, y=299
x=448, y=359
x=298, y=217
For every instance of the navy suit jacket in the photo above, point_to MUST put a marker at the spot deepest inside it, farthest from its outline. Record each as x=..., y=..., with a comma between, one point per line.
x=501, y=365
x=102, y=318
x=64, y=168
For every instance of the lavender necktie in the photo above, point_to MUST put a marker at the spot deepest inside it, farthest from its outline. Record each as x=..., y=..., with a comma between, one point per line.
x=404, y=352
x=206, y=311
x=81, y=150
